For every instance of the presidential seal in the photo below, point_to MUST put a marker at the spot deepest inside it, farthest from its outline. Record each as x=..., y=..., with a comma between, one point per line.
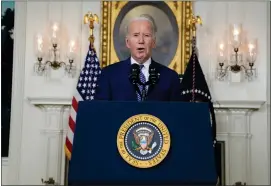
x=143, y=141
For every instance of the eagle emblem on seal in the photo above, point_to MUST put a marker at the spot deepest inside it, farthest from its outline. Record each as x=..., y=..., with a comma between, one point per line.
x=142, y=140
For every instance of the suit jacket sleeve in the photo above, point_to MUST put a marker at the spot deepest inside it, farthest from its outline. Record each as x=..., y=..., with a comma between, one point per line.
x=103, y=86
x=175, y=88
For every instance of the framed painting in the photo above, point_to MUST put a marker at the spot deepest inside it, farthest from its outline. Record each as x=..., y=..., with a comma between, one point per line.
x=173, y=37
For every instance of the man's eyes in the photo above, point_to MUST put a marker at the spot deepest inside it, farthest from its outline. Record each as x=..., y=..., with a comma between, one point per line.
x=146, y=35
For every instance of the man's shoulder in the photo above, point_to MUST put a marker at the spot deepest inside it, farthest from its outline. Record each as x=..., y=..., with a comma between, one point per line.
x=164, y=69
x=113, y=67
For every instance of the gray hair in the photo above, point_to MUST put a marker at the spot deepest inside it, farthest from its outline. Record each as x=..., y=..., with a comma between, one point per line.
x=145, y=17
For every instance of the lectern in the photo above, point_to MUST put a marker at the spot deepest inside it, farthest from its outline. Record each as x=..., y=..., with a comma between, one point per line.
x=150, y=143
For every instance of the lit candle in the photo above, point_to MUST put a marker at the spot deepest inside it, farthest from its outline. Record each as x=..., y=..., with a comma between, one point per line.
x=251, y=51
x=236, y=35
x=251, y=47
x=251, y=54
x=71, y=46
x=221, y=53
x=221, y=50
x=71, y=50
x=55, y=28
x=40, y=43
x=236, y=32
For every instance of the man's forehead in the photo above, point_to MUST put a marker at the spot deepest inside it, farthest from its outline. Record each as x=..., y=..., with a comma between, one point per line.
x=140, y=22
x=140, y=31
x=134, y=27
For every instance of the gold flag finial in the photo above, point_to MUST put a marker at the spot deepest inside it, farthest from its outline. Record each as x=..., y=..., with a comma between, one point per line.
x=90, y=18
x=193, y=21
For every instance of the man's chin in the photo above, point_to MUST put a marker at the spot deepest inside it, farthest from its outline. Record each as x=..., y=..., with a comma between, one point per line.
x=141, y=58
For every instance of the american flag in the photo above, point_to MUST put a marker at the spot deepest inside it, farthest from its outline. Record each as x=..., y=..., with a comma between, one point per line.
x=85, y=90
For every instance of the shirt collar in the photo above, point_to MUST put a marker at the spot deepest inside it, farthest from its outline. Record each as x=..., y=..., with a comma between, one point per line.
x=146, y=64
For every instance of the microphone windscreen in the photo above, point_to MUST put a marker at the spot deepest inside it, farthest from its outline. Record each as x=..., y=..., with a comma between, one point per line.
x=134, y=76
x=152, y=69
x=135, y=67
x=154, y=75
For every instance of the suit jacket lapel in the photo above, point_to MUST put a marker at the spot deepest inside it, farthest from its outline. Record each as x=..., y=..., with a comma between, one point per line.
x=131, y=91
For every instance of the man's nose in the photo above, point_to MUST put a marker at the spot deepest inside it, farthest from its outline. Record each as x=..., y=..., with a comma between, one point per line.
x=141, y=39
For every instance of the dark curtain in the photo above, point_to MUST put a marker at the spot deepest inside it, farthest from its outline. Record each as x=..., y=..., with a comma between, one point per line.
x=7, y=26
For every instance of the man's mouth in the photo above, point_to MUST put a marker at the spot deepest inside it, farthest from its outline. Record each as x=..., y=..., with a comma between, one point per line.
x=140, y=49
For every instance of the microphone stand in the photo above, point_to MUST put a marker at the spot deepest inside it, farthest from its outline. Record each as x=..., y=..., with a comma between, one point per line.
x=135, y=80
x=153, y=78
x=144, y=93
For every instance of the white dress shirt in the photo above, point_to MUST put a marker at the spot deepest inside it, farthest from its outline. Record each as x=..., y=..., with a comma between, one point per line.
x=145, y=69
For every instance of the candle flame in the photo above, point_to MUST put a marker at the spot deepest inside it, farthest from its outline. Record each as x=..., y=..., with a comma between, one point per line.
x=72, y=45
x=40, y=40
x=251, y=46
x=235, y=32
x=40, y=43
x=221, y=46
x=55, y=27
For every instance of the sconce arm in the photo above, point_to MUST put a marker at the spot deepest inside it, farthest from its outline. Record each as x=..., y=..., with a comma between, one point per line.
x=55, y=64
x=243, y=67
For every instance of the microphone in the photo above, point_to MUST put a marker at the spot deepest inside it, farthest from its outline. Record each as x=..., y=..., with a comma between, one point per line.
x=135, y=80
x=134, y=76
x=153, y=78
x=153, y=75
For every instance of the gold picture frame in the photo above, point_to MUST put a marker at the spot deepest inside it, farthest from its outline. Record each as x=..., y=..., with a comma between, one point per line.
x=177, y=12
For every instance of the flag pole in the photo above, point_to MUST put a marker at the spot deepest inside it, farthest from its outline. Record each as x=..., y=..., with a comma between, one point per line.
x=90, y=19
x=192, y=22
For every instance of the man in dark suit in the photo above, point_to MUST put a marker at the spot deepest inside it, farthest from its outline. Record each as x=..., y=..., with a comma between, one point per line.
x=114, y=82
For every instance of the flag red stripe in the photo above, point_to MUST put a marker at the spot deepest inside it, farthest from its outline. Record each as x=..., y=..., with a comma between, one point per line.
x=74, y=104
x=71, y=124
x=68, y=145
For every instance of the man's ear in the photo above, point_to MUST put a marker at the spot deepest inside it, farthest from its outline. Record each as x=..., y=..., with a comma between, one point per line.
x=154, y=43
x=127, y=42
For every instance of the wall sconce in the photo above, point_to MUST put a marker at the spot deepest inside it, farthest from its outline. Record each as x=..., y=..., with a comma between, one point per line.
x=236, y=63
x=42, y=65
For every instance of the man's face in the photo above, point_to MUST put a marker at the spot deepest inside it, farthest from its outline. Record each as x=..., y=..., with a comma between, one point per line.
x=140, y=40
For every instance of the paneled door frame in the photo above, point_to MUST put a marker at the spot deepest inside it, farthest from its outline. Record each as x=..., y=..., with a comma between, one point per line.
x=17, y=103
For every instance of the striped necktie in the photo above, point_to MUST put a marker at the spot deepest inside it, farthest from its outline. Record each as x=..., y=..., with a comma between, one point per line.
x=143, y=80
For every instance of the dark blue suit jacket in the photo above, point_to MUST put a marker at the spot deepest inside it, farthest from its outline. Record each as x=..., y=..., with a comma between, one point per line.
x=114, y=84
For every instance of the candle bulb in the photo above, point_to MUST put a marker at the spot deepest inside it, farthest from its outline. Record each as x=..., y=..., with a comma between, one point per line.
x=55, y=29
x=221, y=49
x=71, y=50
x=40, y=43
x=251, y=47
x=221, y=56
x=72, y=46
x=236, y=34
x=236, y=30
x=251, y=51
x=39, y=49
x=251, y=54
